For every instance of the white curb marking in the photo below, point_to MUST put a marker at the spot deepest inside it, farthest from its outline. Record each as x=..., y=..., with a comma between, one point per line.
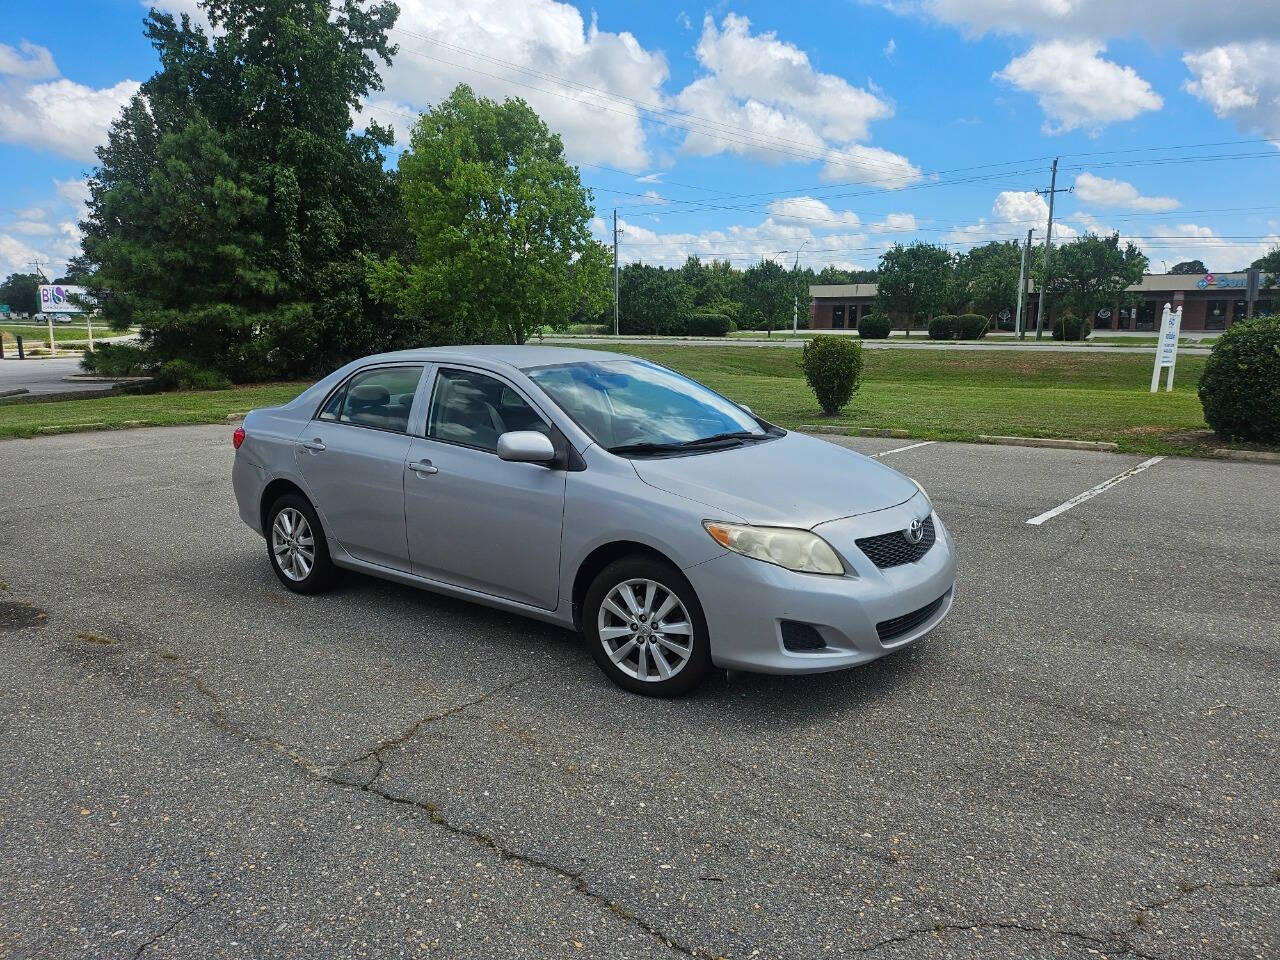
x=1092, y=492
x=910, y=446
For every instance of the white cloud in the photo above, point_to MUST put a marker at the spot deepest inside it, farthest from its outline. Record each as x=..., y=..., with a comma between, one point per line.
x=812, y=212
x=761, y=97
x=1192, y=241
x=544, y=36
x=895, y=223
x=15, y=255
x=890, y=48
x=28, y=62
x=1241, y=81
x=1189, y=22
x=1118, y=193
x=1013, y=212
x=74, y=192
x=859, y=163
x=32, y=228
x=650, y=178
x=58, y=115
x=1077, y=89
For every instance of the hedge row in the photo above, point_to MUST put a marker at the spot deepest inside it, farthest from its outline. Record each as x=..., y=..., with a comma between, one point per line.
x=966, y=326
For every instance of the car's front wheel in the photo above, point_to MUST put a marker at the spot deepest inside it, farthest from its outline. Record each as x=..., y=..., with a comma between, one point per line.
x=645, y=627
x=297, y=547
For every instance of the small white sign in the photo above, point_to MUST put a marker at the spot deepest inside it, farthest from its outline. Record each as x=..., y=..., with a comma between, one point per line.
x=1167, y=347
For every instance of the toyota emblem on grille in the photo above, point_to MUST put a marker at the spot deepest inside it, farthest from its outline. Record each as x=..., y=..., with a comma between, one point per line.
x=914, y=533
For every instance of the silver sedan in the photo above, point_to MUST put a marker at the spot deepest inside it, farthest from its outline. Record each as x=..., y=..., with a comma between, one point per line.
x=605, y=493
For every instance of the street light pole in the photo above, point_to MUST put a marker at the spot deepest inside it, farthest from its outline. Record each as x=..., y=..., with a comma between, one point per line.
x=1022, y=287
x=615, y=271
x=1048, y=240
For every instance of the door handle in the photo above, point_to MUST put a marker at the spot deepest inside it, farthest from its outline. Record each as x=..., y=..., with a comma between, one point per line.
x=423, y=468
x=315, y=445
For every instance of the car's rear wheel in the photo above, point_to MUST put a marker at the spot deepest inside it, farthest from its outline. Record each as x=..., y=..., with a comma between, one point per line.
x=297, y=547
x=645, y=627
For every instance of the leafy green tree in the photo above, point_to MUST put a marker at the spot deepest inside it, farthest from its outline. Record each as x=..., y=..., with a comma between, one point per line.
x=653, y=300
x=500, y=226
x=1092, y=272
x=768, y=290
x=20, y=291
x=1270, y=262
x=991, y=275
x=1189, y=267
x=234, y=205
x=913, y=281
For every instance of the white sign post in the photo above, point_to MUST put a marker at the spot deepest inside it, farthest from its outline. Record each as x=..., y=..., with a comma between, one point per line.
x=1167, y=347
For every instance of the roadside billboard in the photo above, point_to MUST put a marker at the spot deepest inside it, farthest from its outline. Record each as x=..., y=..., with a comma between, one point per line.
x=57, y=298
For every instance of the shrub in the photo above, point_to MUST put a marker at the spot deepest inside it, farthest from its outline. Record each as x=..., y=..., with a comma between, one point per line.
x=971, y=326
x=595, y=329
x=1076, y=329
x=708, y=325
x=184, y=375
x=116, y=360
x=875, y=326
x=1240, y=386
x=942, y=327
x=832, y=366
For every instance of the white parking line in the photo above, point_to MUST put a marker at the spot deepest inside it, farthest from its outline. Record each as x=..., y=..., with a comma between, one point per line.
x=910, y=446
x=1092, y=492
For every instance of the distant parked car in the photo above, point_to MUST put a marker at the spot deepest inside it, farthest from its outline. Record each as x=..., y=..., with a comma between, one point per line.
x=604, y=493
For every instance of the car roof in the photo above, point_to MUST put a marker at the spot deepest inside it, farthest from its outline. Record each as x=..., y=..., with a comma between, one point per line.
x=523, y=357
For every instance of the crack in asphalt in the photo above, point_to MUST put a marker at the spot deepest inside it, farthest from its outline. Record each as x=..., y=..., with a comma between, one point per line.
x=148, y=944
x=1117, y=947
x=375, y=753
x=326, y=773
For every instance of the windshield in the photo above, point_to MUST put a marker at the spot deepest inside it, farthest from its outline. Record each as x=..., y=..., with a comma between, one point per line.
x=631, y=403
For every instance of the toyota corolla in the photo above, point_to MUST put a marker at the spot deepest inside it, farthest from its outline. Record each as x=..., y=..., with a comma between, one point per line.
x=671, y=526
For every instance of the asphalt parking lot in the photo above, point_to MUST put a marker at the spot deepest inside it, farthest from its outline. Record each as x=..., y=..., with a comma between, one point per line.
x=1082, y=762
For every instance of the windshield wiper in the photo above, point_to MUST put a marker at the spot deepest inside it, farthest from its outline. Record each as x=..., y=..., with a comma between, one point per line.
x=719, y=437
x=715, y=439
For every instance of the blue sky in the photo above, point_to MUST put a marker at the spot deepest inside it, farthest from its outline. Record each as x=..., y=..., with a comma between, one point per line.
x=761, y=129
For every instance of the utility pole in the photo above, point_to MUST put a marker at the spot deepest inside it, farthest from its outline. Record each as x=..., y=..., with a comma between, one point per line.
x=795, y=297
x=1022, y=287
x=615, y=271
x=1048, y=240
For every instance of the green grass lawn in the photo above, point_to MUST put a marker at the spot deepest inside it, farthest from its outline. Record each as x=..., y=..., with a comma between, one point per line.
x=34, y=335
x=932, y=394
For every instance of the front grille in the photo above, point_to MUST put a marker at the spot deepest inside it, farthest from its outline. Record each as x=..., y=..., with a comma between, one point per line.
x=892, y=549
x=898, y=626
x=801, y=637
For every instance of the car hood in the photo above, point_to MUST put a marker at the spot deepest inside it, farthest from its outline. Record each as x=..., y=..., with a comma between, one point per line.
x=794, y=481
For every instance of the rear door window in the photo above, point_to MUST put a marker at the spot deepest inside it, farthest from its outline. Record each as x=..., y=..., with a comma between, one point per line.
x=381, y=398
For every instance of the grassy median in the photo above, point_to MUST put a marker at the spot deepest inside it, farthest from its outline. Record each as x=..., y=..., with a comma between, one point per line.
x=934, y=395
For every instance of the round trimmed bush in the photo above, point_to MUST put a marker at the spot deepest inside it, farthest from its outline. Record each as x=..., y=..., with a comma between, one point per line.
x=1240, y=386
x=972, y=326
x=1074, y=328
x=708, y=325
x=942, y=327
x=875, y=326
x=832, y=366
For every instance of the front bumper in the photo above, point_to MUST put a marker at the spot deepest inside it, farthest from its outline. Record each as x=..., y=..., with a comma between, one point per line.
x=746, y=601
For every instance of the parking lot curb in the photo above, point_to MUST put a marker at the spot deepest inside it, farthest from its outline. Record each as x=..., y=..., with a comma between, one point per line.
x=17, y=392
x=855, y=431
x=1256, y=456
x=1051, y=442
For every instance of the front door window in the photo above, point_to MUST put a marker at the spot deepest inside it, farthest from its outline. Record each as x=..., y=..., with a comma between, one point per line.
x=1146, y=319
x=1215, y=315
x=837, y=317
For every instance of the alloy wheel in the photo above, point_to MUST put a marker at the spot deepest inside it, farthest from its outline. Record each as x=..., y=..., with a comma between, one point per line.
x=293, y=544
x=645, y=629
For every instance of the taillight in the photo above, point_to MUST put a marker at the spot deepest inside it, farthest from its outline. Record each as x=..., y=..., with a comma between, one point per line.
x=237, y=438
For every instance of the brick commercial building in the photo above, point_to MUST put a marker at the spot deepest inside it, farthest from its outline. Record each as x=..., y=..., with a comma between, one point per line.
x=1210, y=301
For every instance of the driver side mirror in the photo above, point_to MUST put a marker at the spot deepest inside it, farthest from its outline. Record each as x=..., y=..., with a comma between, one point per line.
x=746, y=408
x=526, y=446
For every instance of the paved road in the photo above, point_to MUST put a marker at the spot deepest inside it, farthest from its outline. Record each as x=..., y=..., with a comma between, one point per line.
x=897, y=343
x=1081, y=762
x=45, y=375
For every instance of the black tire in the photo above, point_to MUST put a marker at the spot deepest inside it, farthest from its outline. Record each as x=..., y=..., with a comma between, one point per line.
x=322, y=574
x=692, y=671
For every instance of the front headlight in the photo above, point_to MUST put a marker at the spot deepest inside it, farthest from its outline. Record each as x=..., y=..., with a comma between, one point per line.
x=797, y=550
